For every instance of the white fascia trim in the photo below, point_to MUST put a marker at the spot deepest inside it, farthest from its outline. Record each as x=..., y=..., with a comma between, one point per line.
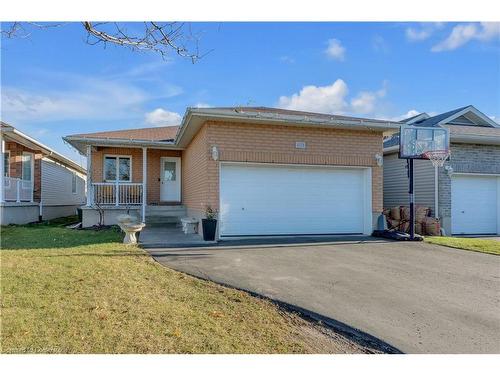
x=479, y=139
x=473, y=110
x=283, y=120
x=300, y=119
x=476, y=174
x=392, y=149
x=116, y=142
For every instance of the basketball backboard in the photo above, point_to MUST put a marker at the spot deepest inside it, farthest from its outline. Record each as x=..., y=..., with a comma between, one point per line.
x=415, y=141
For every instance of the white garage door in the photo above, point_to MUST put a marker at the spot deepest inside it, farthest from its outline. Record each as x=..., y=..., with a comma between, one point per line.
x=261, y=199
x=474, y=204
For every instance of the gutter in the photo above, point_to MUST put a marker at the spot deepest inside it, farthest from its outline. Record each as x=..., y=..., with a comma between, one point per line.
x=125, y=142
x=285, y=119
x=298, y=119
x=479, y=139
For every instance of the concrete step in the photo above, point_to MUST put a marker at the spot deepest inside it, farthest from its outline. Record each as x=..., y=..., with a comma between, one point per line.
x=156, y=219
x=155, y=209
x=166, y=211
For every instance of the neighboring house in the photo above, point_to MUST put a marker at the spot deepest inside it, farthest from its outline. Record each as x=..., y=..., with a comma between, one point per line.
x=268, y=171
x=465, y=193
x=35, y=181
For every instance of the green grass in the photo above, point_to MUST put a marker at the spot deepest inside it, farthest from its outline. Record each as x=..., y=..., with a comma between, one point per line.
x=475, y=244
x=82, y=291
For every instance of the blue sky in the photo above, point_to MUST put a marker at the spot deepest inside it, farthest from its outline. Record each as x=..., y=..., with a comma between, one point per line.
x=54, y=84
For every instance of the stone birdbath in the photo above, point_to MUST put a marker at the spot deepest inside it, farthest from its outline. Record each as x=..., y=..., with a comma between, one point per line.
x=130, y=225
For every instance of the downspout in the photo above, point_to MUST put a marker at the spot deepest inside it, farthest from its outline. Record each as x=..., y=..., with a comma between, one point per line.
x=40, y=214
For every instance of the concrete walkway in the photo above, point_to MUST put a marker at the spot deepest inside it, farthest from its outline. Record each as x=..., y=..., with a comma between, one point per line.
x=419, y=298
x=169, y=235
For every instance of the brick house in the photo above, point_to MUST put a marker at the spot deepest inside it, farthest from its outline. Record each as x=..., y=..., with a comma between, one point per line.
x=267, y=171
x=36, y=182
x=465, y=193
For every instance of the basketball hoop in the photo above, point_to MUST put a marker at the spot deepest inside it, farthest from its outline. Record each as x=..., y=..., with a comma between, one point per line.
x=422, y=142
x=437, y=157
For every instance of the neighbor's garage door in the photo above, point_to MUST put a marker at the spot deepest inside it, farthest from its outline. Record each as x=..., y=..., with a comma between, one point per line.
x=261, y=199
x=474, y=204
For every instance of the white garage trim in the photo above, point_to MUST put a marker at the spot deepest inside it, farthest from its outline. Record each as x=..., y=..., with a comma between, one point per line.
x=472, y=226
x=365, y=192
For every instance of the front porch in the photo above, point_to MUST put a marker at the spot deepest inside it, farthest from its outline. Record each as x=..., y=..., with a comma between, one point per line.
x=133, y=179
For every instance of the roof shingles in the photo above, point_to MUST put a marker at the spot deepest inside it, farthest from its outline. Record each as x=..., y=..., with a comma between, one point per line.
x=163, y=133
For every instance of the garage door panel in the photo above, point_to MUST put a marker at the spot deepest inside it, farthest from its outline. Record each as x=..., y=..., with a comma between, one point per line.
x=270, y=200
x=474, y=204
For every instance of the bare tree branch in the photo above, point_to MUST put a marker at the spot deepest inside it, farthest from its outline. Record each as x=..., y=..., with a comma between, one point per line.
x=20, y=29
x=158, y=37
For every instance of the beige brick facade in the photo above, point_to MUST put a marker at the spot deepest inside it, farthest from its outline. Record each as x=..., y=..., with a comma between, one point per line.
x=154, y=165
x=273, y=144
x=195, y=159
x=15, y=151
x=252, y=143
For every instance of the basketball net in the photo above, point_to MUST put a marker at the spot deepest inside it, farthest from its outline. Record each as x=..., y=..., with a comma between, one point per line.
x=437, y=158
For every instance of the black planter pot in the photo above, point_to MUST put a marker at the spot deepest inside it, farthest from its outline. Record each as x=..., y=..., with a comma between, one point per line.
x=209, y=228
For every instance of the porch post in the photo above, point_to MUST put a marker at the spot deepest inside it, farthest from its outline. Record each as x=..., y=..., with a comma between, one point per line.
x=2, y=172
x=144, y=181
x=117, y=189
x=33, y=178
x=89, y=191
x=18, y=190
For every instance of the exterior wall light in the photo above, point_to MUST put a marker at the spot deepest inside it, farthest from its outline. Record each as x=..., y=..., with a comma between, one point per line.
x=449, y=170
x=215, y=153
x=380, y=160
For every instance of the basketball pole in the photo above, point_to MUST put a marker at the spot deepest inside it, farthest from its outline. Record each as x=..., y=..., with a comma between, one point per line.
x=412, y=200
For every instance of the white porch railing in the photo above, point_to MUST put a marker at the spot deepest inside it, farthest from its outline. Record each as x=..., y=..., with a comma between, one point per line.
x=117, y=194
x=17, y=190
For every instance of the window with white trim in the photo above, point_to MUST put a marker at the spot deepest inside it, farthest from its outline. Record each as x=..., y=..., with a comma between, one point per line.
x=6, y=164
x=117, y=168
x=27, y=166
x=73, y=183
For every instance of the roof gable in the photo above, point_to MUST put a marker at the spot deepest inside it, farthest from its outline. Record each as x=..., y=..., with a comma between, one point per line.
x=468, y=115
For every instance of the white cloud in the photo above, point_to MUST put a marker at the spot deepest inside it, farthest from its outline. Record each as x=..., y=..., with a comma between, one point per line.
x=466, y=32
x=365, y=102
x=410, y=113
x=162, y=117
x=287, y=59
x=91, y=99
x=326, y=99
x=379, y=44
x=202, y=105
x=335, y=50
x=333, y=99
x=424, y=31
x=54, y=96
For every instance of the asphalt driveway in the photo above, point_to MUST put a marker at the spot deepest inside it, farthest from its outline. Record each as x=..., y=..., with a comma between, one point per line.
x=417, y=297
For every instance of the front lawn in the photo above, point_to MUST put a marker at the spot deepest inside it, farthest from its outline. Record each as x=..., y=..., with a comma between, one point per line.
x=475, y=244
x=82, y=291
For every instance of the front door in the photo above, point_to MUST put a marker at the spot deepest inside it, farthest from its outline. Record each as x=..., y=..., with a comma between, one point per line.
x=170, y=179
